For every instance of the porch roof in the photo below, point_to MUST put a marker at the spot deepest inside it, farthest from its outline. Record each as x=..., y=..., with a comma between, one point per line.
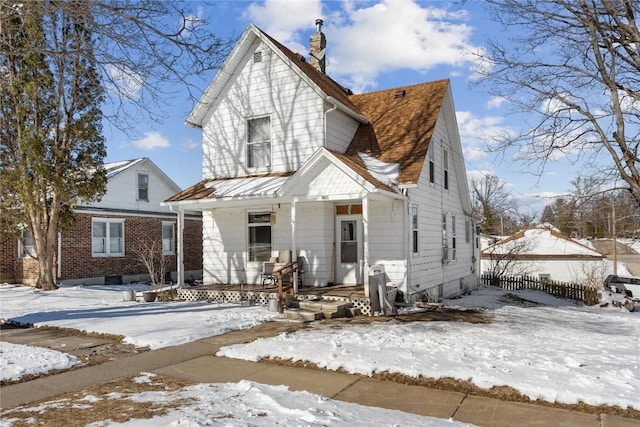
x=274, y=184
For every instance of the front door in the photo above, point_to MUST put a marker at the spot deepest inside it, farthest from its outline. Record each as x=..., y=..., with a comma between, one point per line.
x=349, y=249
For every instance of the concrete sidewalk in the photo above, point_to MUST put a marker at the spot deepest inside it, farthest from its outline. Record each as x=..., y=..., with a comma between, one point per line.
x=196, y=362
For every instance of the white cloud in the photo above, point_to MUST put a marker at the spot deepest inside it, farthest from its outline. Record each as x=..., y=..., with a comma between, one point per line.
x=189, y=144
x=496, y=101
x=365, y=39
x=151, y=141
x=478, y=133
x=123, y=81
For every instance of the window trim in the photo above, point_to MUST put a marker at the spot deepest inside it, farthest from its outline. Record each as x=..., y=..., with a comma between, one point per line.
x=445, y=168
x=107, y=239
x=432, y=165
x=259, y=224
x=453, y=237
x=142, y=187
x=171, y=224
x=268, y=142
x=415, y=242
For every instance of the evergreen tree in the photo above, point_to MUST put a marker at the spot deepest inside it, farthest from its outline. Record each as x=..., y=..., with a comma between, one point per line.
x=52, y=148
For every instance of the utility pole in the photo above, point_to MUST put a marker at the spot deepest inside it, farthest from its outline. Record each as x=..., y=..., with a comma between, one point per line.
x=615, y=238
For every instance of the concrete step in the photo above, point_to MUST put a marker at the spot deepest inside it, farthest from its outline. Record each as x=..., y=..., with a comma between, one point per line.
x=330, y=309
x=303, y=314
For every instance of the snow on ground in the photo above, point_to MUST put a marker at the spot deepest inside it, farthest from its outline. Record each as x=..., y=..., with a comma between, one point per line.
x=101, y=309
x=248, y=403
x=544, y=347
x=17, y=360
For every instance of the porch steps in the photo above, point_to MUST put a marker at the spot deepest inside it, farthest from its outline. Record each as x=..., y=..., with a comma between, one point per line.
x=301, y=315
x=311, y=310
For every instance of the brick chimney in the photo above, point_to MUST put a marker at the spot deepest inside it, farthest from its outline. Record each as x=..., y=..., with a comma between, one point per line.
x=318, y=48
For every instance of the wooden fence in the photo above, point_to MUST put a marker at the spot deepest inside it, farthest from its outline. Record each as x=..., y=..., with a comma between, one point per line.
x=554, y=287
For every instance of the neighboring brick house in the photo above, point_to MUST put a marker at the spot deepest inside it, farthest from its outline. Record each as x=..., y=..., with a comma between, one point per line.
x=99, y=248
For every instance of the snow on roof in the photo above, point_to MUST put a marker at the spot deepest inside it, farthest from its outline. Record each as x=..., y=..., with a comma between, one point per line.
x=250, y=186
x=115, y=168
x=387, y=173
x=541, y=242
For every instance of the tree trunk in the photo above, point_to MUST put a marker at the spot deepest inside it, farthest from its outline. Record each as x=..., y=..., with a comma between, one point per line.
x=46, y=277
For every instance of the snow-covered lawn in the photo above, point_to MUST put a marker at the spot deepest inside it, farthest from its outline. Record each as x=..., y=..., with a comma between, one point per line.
x=101, y=309
x=544, y=347
x=18, y=360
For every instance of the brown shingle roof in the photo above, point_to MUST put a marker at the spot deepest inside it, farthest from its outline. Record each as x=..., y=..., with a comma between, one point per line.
x=401, y=124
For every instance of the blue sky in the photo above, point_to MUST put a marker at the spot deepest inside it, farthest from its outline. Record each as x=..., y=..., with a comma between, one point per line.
x=371, y=45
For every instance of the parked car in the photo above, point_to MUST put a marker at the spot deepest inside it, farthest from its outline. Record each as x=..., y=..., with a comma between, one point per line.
x=627, y=285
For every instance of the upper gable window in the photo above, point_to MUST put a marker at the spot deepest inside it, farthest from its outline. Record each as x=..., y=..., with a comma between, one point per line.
x=259, y=143
x=257, y=56
x=143, y=187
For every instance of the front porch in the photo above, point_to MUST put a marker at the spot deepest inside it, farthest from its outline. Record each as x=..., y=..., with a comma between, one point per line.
x=257, y=294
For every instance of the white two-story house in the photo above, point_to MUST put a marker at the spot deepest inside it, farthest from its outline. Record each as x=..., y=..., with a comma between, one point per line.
x=293, y=161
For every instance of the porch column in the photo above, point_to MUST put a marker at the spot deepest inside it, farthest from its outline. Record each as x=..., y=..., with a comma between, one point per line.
x=180, y=249
x=365, y=243
x=294, y=251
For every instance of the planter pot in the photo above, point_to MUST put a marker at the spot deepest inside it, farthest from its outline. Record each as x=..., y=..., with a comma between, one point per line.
x=149, y=296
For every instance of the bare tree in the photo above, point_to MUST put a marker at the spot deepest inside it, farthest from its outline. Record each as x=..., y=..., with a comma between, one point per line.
x=505, y=257
x=149, y=254
x=574, y=66
x=494, y=204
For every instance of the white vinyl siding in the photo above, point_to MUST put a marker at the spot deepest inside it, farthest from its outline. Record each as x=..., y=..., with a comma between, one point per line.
x=107, y=237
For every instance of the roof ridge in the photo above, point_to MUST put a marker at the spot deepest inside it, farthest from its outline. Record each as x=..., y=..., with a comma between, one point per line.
x=401, y=87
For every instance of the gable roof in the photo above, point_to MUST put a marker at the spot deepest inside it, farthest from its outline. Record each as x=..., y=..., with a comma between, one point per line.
x=541, y=243
x=114, y=169
x=325, y=86
x=401, y=124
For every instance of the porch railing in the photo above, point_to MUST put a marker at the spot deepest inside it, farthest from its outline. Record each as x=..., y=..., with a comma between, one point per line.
x=286, y=270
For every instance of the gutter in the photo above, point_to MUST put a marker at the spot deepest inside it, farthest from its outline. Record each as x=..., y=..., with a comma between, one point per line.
x=359, y=117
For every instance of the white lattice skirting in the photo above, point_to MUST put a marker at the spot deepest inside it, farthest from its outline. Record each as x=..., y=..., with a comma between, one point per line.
x=262, y=298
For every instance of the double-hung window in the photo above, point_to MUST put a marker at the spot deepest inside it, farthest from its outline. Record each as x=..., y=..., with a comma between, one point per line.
x=259, y=143
x=453, y=237
x=168, y=238
x=259, y=237
x=432, y=167
x=143, y=187
x=445, y=247
x=445, y=166
x=107, y=237
x=414, y=227
x=27, y=248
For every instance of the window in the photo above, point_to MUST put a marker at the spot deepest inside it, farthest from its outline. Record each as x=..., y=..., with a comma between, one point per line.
x=432, y=167
x=414, y=227
x=143, y=187
x=453, y=237
x=107, y=237
x=259, y=236
x=445, y=248
x=467, y=231
x=26, y=247
x=259, y=143
x=544, y=277
x=445, y=165
x=168, y=238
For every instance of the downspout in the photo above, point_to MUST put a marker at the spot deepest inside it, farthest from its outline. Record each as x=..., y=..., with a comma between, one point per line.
x=180, y=246
x=405, y=242
x=326, y=113
x=294, y=250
